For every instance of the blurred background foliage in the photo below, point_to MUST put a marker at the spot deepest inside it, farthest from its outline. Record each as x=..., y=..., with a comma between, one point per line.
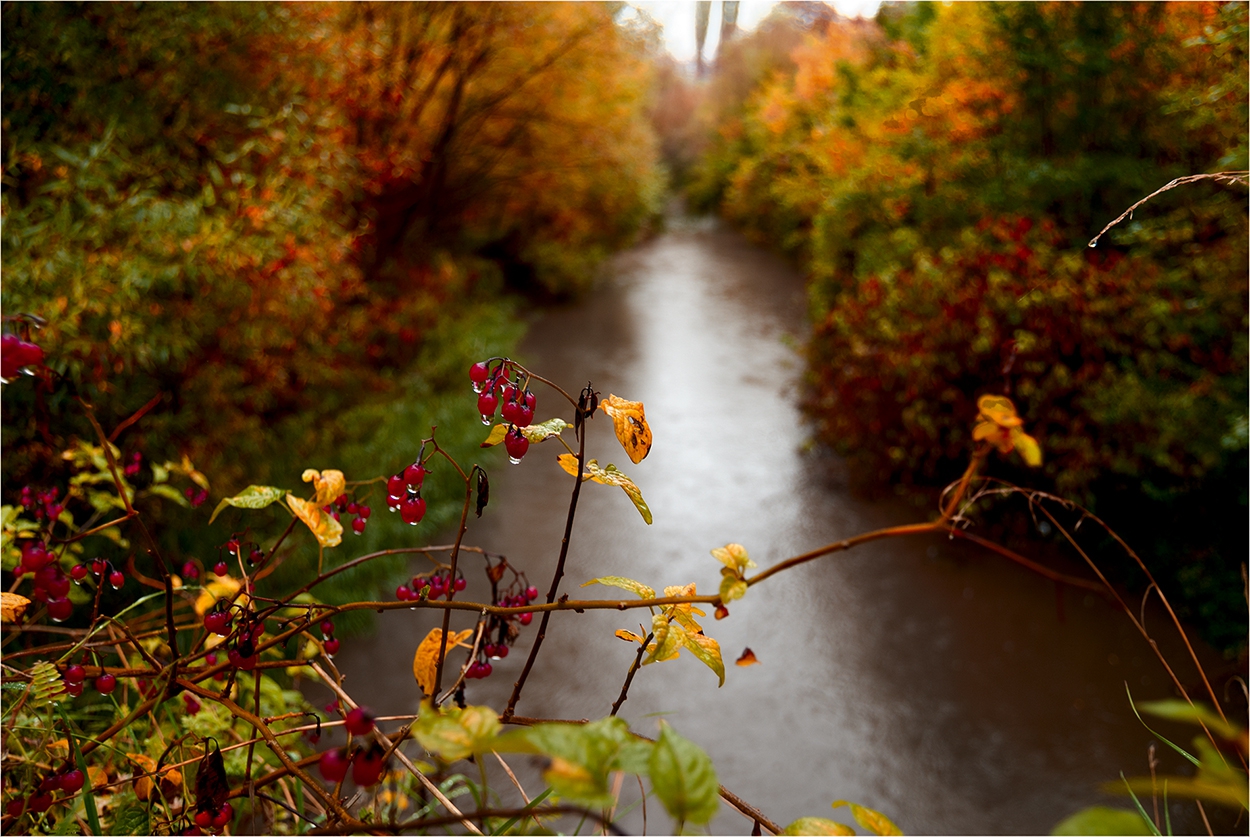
x=938, y=173
x=294, y=226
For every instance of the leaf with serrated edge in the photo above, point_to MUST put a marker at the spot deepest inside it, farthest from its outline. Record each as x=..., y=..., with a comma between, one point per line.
x=708, y=652
x=816, y=827
x=874, y=821
x=252, y=497
x=635, y=587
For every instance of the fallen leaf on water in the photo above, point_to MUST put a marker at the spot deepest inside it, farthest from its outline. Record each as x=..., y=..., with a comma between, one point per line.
x=630, y=423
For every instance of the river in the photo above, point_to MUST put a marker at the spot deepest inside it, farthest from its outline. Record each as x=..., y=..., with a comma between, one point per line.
x=954, y=691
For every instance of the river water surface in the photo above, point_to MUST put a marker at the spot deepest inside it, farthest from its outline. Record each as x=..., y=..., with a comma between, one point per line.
x=952, y=690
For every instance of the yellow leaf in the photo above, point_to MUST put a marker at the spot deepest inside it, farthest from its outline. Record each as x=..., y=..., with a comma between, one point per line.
x=221, y=588
x=327, y=530
x=630, y=423
x=734, y=556
x=817, y=826
x=329, y=484
x=425, y=661
x=12, y=606
x=998, y=424
x=874, y=821
x=607, y=476
x=708, y=652
x=497, y=434
x=1027, y=447
x=629, y=636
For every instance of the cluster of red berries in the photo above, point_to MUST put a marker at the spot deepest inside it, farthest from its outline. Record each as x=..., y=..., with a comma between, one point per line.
x=367, y=765
x=439, y=584
x=494, y=387
x=196, y=496
x=214, y=819
x=16, y=354
x=242, y=652
x=344, y=505
x=69, y=780
x=75, y=677
x=501, y=627
x=329, y=642
x=43, y=504
x=403, y=493
x=521, y=599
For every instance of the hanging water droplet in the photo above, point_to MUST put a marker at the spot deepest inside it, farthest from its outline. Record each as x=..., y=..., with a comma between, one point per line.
x=477, y=388
x=1094, y=243
x=515, y=460
x=486, y=420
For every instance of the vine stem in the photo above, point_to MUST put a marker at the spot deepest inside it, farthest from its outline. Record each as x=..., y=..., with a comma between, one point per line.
x=633, y=669
x=559, y=573
x=455, y=556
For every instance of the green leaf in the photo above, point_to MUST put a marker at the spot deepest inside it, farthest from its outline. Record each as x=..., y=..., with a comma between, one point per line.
x=874, y=821
x=132, y=820
x=708, y=652
x=817, y=826
x=683, y=777
x=252, y=497
x=638, y=588
x=634, y=757
x=732, y=588
x=160, y=473
x=582, y=755
x=169, y=493
x=1180, y=710
x=1099, y=820
x=45, y=684
x=453, y=733
x=542, y=432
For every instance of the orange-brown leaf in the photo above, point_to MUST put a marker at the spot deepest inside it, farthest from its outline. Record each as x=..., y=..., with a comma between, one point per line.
x=747, y=658
x=630, y=423
x=425, y=661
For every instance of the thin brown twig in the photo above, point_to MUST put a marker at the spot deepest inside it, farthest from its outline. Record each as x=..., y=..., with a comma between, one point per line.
x=1242, y=177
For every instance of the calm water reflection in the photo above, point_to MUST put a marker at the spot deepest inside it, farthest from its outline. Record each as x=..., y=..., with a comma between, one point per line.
x=938, y=684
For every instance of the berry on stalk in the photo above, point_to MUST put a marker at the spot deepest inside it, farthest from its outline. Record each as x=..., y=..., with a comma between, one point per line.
x=105, y=684
x=412, y=510
x=333, y=765
x=516, y=444
x=359, y=721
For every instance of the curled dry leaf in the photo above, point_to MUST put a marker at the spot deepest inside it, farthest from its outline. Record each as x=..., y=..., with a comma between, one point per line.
x=630, y=423
x=327, y=530
x=329, y=485
x=145, y=769
x=747, y=658
x=425, y=661
x=12, y=606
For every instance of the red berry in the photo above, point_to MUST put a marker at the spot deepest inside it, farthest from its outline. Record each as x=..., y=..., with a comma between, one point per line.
x=15, y=806
x=327, y=627
x=526, y=618
x=358, y=526
x=501, y=650
x=75, y=673
x=222, y=569
x=255, y=556
x=477, y=374
x=485, y=670
x=395, y=486
x=40, y=803
x=510, y=412
x=223, y=816
x=403, y=593
x=524, y=417
x=51, y=783
x=73, y=689
x=367, y=767
x=246, y=662
x=531, y=593
x=334, y=764
x=412, y=510
x=359, y=721
x=190, y=571
x=459, y=584
x=105, y=684
x=414, y=475
x=331, y=645
x=78, y=572
x=117, y=579
x=60, y=609
x=530, y=401
x=204, y=819
x=72, y=781
x=364, y=512
x=517, y=445
x=486, y=404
